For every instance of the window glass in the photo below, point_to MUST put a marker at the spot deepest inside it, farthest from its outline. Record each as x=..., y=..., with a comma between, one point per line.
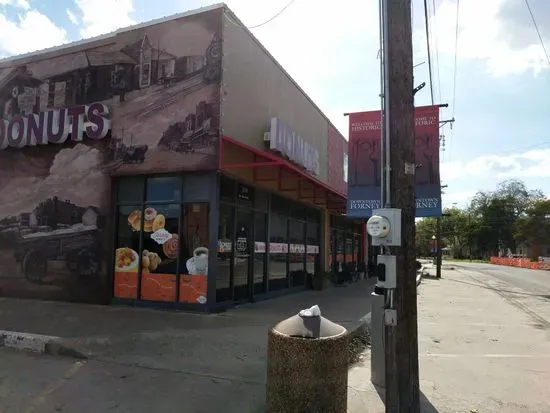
x=260, y=232
x=245, y=194
x=297, y=252
x=127, y=257
x=278, y=252
x=194, y=253
x=279, y=205
x=164, y=189
x=160, y=252
x=349, y=248
x=130, y=190
x=243, y=242
x=312, y=248
x=196, y=187
x=225, y=244
x=227, y=189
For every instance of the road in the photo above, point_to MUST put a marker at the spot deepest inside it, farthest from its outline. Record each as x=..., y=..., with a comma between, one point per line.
x=532, y=281
x=527, y=290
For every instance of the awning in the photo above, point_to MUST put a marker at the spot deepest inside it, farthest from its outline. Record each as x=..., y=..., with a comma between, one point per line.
x=278, y=174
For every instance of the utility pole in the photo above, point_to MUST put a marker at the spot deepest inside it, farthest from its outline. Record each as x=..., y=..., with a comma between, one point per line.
x=438, y=257
x=401, y=344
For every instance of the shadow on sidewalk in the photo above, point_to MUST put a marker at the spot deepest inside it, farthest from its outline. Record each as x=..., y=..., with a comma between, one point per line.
x=425, y=405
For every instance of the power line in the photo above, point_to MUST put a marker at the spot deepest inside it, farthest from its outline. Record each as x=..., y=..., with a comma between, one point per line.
x=538, y=31
x=456, y=54
x=274, y=17
x=428, y=47
x=436, y=51
x=454, y=76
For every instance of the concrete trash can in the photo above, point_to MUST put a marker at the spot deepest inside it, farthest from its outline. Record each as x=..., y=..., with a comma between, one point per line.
x=307, y=365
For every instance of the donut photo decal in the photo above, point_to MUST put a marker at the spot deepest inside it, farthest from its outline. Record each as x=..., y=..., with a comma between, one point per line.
x=171, y=247
x=134, y=220
x=149, y=216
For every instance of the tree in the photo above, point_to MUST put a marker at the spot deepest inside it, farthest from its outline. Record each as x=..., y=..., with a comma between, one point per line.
x=533, y=229
x=425, y=229
x=495, y=213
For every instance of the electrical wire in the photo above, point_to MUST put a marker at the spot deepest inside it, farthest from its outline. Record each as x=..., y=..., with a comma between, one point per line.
x=426, y=25
x=538, y=31
x=456, y=54
x=454, y=76
x=436, y=52
x=274, y=17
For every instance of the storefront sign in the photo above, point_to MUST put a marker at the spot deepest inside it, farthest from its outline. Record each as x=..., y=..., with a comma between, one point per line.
x=282, y=139
x=55, y=126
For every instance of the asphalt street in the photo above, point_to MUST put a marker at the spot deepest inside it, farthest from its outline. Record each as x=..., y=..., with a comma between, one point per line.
x=532, y=281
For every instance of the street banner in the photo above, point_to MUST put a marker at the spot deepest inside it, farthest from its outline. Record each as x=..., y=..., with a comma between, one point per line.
x=365, y=171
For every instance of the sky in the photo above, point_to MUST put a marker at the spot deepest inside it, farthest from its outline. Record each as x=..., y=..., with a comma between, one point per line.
x=499, y=94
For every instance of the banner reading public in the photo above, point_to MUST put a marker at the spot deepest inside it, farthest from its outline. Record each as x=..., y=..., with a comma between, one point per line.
x=365, y=171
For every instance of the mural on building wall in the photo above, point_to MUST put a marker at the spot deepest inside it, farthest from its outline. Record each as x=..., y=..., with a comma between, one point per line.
x=52, y=222
x=337, y=160
x=147, y=102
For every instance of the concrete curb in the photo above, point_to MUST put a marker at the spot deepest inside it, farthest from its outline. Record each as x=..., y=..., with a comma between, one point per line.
x=37, y=343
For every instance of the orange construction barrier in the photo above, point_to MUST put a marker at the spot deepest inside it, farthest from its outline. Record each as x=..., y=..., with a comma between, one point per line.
x=520, y=262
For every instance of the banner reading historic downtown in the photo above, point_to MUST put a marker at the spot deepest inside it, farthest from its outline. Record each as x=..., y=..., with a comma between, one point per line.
x=364, y=174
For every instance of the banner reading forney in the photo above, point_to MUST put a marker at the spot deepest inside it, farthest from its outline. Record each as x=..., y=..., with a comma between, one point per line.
x=365, y=169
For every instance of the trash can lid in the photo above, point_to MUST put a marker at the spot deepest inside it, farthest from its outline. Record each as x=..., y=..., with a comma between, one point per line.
x=309, y=324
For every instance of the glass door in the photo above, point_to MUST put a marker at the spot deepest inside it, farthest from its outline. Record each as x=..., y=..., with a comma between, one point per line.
x=243, y=268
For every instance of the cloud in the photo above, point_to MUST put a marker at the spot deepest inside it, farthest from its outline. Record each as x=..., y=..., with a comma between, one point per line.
x=104, y=16
x=72, y=17
x=21, y=4
x=499, y=32
x=18, y=37
x=457, y=199
x=530, y=164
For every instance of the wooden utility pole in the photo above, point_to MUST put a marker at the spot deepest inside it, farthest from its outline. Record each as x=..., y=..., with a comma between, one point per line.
x=438, y=257
x=402, y=380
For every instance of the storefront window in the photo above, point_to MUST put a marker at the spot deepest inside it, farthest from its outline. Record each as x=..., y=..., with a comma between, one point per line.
x=339, y=252
x=260, y=232
x=159, y=252
x=127, y=257
x=312, y=248
x=278, y=252
x=164, y=189
x=225, y=232
x=356, y=249
x=227, y=189
x=194, y=253
x=242, y=260
x=297, y=252
x=130, y=191
x=349, y=248
x=162, y=245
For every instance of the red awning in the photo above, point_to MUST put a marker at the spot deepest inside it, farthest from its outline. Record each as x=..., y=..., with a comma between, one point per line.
x=269, y=169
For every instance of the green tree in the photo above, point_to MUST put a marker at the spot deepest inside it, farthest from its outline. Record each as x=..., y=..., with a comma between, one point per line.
x=425, y=230
x=494, y=214
x=533, y=228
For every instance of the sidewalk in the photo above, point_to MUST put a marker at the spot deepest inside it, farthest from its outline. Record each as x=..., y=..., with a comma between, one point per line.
x=230, y=345
x=477, y=352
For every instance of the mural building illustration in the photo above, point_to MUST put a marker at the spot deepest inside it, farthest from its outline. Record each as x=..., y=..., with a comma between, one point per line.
x=143, y=101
